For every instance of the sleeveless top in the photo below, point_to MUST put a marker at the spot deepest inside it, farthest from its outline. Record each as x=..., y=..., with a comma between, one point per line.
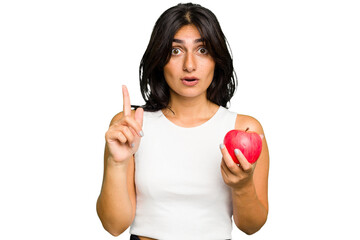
x=180, y=192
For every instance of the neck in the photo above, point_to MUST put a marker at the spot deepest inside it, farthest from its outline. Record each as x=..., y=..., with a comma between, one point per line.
x=190, y=108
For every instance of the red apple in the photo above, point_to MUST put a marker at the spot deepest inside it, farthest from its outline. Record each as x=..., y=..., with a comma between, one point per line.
x=249, y=143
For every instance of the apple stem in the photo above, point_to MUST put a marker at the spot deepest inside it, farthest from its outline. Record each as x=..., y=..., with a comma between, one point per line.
x=246, y=129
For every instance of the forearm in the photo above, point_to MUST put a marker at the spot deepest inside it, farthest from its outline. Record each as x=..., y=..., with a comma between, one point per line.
x=114, y=206
x=248, y=212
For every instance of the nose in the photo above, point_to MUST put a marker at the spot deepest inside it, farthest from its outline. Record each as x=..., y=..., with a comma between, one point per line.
x=189, y=63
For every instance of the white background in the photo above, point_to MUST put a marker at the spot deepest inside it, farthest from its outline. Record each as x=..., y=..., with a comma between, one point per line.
x=62, y=64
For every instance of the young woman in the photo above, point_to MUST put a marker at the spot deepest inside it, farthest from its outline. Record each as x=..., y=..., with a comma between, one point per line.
x=164, y=173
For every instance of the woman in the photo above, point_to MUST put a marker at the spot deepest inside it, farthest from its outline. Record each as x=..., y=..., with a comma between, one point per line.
x=184, y=186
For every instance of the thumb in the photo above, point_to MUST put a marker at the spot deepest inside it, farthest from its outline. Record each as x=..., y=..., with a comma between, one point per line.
x=139, y=113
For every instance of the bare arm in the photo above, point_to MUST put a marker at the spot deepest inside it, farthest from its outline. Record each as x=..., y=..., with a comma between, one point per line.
x=249, y=183
x=116, y=203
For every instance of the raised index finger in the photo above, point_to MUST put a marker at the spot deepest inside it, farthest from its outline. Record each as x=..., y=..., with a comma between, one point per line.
x=126, y=101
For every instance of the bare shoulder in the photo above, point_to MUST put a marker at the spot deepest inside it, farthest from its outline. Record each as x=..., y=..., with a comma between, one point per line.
x=119, y=115
x=250, y=123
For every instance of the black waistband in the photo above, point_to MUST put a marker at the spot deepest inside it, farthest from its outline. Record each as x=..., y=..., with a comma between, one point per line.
x=134, y=237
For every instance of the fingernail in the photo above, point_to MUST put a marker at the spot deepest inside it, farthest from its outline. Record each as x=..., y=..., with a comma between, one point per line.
x=133, y=145
x=222, y=146
x=262, y=136
x=237, y=151
x=141, y=133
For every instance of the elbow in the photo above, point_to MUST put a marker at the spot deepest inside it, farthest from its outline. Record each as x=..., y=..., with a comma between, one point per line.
x=253, y=228
x=113, y=233
x=114, y=230
x=112, y=225
x=250, y=231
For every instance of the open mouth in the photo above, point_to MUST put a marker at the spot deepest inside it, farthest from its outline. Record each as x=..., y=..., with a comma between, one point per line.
x=190, y=81
x=189, y=78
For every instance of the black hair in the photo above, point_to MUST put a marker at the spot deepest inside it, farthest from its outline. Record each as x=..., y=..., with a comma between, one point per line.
x=154, y=88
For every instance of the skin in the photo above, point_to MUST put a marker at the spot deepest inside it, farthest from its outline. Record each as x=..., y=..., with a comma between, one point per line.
x=117, y=200
x=249, y=183
x=189, y=58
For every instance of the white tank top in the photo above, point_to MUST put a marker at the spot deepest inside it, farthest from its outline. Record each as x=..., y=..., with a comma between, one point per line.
x=180, y=192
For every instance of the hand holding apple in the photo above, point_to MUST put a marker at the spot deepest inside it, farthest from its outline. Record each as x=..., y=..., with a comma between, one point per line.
x=249, y=143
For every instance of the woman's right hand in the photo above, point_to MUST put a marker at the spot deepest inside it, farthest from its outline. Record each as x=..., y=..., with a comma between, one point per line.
x=123, y=136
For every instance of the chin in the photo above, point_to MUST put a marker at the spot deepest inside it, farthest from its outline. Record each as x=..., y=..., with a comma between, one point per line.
x=192, y=94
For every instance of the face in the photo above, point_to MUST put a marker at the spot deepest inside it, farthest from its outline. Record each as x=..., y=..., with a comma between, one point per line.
x=190, y=69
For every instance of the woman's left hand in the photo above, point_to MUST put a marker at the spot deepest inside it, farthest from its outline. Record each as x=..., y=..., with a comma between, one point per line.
x=236, y=175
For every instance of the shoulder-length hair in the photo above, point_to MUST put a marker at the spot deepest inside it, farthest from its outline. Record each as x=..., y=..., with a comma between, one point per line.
x=154, y=88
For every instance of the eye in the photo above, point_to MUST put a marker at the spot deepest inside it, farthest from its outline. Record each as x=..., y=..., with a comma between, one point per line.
x=175, y=51
x=203, y=50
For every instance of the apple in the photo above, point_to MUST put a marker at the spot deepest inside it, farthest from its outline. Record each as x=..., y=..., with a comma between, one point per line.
x=249, y=143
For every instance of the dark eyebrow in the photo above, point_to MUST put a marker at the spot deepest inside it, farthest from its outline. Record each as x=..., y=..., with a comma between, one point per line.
x=182, y=41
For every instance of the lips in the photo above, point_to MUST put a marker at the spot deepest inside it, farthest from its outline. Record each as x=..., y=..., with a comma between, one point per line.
x=190, y=81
